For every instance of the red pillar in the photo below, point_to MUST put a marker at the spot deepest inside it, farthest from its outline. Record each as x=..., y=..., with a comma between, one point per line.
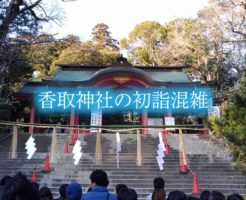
x=144, y=121
x=72, y=120
x=77, y=123
x=37, y=130
x=32, y=116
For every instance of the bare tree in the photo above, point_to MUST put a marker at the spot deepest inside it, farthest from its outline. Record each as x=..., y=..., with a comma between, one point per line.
x=22, y=16
x=20, y=19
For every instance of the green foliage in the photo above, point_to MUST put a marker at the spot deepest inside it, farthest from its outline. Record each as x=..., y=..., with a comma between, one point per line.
x=46, y=50
x=191, y=42
x=86, y=53
x=14, y=70
x=144, y=42
x=232, y=125
x=101, y=50
x=102, y=37
x=239, y=99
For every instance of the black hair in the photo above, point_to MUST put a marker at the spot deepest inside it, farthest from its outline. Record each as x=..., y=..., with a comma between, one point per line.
x=235, y=197
x=205, y=195
x=45, y=193
x=119, y=187
x=177, y=195
x=99, y=177
x=192, y=198
x=19, y=187
x=159, y=183
x=127, y=194
x=216, y=195
x=5, y=179
x=62, y=190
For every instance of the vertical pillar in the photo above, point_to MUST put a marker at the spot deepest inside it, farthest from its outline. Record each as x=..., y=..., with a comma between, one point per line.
x=77, y=122
x=139, y=149
x=37, y=130
x=144, y=121
x=72, y=120
x=32, y=118
x=98, y=150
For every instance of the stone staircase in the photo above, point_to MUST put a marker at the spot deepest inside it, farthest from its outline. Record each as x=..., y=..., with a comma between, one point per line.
x=212, y=163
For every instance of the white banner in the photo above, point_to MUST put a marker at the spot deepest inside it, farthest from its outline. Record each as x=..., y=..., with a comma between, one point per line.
x=169, y=121
x=96, y=120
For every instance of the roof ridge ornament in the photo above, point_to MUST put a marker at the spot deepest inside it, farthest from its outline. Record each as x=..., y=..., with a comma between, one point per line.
x=121, y=61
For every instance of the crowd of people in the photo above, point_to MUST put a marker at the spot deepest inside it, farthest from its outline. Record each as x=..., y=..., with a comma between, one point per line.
x=19, y=187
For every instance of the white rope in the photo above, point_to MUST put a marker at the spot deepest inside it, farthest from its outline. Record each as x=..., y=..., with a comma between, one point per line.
x=113, y=130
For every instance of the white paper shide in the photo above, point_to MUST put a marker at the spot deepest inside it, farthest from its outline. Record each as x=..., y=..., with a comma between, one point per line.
x=160, y=152
x=30, y=147
x=77, y=152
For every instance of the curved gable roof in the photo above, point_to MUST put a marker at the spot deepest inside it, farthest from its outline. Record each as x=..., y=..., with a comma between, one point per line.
x=92, y=74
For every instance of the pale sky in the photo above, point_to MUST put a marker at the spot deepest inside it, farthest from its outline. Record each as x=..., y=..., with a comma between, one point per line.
x=121, y=17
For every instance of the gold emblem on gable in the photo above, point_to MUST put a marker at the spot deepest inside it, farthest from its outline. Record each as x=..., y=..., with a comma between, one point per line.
x=121, y=79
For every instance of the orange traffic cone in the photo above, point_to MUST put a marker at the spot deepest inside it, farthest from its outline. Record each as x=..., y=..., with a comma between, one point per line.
x=47, y=165
x=72, y=140
x=183, y=168
x=34, y=176
x=66, y=148
x=195, y=186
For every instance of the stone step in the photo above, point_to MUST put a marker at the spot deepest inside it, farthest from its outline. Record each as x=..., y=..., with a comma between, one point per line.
x=211, y=163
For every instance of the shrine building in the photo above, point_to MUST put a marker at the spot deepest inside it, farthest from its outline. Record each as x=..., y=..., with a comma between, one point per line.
x=118, y=76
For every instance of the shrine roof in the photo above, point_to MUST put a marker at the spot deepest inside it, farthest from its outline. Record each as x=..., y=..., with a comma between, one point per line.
x=85, y=73
x=84, y=76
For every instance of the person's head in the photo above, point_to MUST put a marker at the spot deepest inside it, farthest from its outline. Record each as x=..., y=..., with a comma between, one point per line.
x=127, y=194
x=45, y=193
x=216, y=195
x=159, y=191
x=19, y=187
x=235, y=197
x=5, y=179
x=159, y=183
x=176, y=195
x=99, y=177
x=62, y=190
x=118, y=187
x=205, y=195
x=73, y=191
